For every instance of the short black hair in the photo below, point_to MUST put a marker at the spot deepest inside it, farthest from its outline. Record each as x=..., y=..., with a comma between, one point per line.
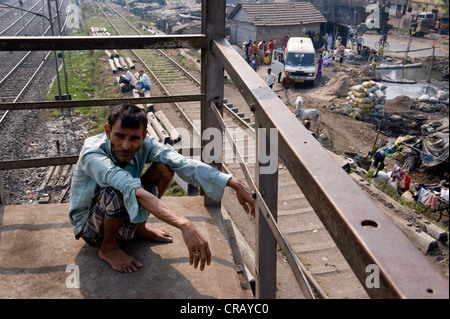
x=132, y=116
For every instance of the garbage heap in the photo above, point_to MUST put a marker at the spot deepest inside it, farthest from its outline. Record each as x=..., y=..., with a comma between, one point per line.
x=366, y=99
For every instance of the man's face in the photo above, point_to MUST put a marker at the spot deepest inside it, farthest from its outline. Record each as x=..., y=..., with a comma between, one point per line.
x=125, y=142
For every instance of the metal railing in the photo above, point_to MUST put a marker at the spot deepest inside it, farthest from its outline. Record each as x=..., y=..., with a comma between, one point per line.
x=364, y=235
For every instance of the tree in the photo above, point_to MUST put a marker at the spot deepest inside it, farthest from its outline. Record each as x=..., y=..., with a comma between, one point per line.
x=444, y=6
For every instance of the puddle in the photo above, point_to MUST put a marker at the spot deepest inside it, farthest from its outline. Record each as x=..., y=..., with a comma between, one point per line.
x=413, y=74
x=411, y=90
x=420, y=75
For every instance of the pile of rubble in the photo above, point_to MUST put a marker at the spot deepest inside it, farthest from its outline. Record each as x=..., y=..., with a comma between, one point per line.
x=338, y=86
x=433, y=103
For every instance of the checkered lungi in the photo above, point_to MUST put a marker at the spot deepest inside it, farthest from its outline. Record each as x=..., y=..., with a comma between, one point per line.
x=108, y=202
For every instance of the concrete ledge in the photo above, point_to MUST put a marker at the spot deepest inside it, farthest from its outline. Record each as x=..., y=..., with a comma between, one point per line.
x=436, y=232
x=39, y=258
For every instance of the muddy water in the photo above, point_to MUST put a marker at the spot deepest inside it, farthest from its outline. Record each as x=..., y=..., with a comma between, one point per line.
x=420, y=75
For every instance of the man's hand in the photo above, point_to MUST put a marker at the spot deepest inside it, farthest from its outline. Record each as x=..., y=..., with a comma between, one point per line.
x=243, y=194
x=197, y=246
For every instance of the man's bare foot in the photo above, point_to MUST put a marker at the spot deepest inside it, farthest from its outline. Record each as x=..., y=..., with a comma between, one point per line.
x=119, y=260
x=157, y=235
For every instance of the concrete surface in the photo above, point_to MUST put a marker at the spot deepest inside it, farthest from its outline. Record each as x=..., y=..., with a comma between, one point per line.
x=39, y=258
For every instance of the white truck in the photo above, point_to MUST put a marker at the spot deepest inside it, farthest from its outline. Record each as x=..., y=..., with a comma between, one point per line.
x=298, y=59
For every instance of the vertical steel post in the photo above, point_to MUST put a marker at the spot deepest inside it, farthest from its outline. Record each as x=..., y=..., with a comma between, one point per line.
x=266, y=244
x=60, y=30
x=212, y=81
x=431, y=66
x=54, y=52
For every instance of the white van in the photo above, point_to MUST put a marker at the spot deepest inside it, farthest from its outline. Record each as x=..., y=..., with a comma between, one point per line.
x=298, y=59
x=425, y=15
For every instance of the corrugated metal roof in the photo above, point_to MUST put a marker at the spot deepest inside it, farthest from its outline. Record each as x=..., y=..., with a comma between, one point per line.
x=279, y=14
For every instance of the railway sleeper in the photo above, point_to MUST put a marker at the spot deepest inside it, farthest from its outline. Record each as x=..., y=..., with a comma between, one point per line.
x=163, y=135
x=131, y=65
x=112, y=66
x=173, y=132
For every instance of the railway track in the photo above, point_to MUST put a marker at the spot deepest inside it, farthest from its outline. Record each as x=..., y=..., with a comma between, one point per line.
x=25, y=65
x=24, y=21
x=6, y=10
x=298, y=221
x=26, y=76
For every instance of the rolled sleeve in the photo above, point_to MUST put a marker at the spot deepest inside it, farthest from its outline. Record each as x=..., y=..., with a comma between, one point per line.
x=211, y=180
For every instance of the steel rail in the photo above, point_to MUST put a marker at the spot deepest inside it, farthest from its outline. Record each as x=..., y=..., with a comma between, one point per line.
x=67, y=43
x=197, y=132
x=16, y=66
x=18, y=19
x=5, y=8
x=65, y=160
x=97, y=102
x=29, y=21
x=32, y=77
x=27, y=55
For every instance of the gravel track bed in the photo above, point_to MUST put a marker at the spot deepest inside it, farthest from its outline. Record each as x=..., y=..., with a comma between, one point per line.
x=28, y=134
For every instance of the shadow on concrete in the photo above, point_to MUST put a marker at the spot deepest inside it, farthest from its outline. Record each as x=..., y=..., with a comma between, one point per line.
x=158, y=279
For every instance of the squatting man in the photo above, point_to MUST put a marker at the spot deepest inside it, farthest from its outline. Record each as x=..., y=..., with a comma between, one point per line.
x=111, y=195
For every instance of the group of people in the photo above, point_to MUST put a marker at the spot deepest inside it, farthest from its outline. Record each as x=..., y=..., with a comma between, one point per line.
x=260, y=53
x=130, y=81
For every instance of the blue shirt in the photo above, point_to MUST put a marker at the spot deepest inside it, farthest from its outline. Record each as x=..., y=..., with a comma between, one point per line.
x=145, y=80
x=96, y=168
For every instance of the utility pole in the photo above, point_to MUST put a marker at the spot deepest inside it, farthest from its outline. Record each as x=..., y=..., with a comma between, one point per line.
x=62, y=52
x=56, y=57
x=55, y=54
x=431, y=66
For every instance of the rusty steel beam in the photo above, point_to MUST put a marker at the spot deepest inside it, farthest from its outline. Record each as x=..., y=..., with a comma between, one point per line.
x=101, y=43
x=363, y=233
x=68, y=160
x=100, y=102
x=38, y=162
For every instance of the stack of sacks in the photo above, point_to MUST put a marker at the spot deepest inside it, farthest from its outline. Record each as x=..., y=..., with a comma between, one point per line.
x=366, y=99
